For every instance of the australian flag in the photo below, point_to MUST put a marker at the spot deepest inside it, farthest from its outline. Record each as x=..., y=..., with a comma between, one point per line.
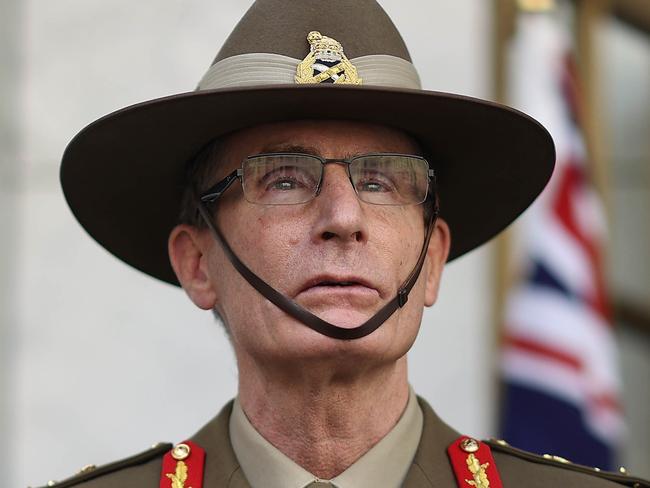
x=559, y=360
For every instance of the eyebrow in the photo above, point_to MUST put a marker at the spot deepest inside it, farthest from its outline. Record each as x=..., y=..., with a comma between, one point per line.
x=290, y=148
x=299, y=148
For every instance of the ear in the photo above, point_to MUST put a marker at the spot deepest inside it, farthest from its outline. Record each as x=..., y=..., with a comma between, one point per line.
x=437, y=254
x=186, y=247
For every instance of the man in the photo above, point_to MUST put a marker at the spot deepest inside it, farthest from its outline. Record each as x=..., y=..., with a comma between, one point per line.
x=310, y=193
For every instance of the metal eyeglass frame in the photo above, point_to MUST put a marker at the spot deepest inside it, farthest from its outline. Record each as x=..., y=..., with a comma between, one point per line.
x=215, y=191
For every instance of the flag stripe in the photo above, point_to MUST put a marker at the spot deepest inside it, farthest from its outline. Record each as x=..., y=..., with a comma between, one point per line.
x=570, y=185
x=539, y=349
x=549, y=318
x=601, y=411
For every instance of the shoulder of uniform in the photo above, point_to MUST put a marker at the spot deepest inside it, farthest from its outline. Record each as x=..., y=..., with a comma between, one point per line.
x=91, y=472
x=559, y=462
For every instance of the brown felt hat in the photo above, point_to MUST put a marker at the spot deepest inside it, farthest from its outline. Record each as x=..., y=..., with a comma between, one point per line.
x=123, y=175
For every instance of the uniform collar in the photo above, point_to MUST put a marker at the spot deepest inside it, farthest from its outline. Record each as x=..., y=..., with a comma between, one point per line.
x=385, y=464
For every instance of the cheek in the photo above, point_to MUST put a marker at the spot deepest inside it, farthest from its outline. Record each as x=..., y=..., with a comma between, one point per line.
x=277, y=231
x=269, y=242
x=399, y=236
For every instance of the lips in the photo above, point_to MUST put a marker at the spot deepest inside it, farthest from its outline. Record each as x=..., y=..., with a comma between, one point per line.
x=352, y=284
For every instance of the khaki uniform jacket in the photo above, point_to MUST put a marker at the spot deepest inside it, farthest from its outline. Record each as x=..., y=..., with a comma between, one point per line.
x=430, y=468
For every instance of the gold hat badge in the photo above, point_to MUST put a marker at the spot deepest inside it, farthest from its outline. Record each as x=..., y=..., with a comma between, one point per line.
x=326, y=63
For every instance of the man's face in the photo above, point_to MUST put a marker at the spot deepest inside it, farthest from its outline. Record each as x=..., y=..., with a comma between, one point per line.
x=338, y=257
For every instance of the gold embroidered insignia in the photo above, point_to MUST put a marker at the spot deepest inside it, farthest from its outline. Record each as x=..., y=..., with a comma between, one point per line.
x=480, y=479
x=180, y=476
x=326, y=63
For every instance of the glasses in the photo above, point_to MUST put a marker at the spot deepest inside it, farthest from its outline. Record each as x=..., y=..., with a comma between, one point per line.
x=294, y=178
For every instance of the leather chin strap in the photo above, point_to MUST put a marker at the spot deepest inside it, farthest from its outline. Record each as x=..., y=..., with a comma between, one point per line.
x=309, y=319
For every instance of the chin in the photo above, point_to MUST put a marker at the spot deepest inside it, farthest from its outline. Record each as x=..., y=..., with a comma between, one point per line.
x=345, y=318
x=387, y=343
x=281, y=339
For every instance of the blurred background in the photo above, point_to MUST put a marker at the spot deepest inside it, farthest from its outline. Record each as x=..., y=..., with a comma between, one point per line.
x=545, y=328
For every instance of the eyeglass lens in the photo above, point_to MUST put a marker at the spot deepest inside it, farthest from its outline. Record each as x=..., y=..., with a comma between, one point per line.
x=383, y=179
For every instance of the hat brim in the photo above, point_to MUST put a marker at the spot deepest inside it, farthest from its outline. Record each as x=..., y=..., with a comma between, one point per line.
x=123, y=175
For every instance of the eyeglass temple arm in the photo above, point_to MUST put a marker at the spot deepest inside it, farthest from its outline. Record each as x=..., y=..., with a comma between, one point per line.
x=213, y=193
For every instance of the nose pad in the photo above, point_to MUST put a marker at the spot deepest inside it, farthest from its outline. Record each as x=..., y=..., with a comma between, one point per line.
x=332, y=164
x=330, y=171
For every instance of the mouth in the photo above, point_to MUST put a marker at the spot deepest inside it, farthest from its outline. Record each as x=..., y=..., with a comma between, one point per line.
x=346, y=301
x=338, y=285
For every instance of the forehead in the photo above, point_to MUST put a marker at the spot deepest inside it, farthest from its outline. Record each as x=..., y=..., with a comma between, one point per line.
x=326, y=138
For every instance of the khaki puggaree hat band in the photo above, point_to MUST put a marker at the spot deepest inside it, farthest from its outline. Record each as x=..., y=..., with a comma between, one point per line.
x=257, y=69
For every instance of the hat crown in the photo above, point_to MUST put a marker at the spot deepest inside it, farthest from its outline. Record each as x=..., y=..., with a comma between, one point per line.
x=362, y=27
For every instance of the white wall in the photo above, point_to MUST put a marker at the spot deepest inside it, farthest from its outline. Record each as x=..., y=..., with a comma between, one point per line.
x=9, y=178
x=106, y=360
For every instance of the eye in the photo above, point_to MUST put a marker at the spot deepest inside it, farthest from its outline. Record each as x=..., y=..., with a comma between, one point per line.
x=374, y=182
x=371, y=186
x=288, y=178
x=283, y=184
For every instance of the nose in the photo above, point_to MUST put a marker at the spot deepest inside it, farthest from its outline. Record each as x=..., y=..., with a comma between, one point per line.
x=340, y=214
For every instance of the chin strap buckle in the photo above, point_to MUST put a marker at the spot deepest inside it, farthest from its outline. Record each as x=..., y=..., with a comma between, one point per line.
x=402, y=298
